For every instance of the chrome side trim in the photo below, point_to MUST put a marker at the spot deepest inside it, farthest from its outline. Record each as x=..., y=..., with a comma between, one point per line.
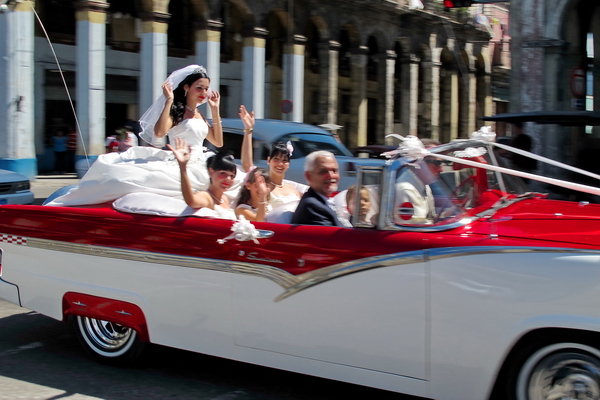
x=321, y=275
x=293, y=284
x=277, y=275
x=448, y=252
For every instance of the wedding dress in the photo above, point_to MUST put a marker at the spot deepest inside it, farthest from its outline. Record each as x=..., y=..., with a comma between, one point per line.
x=146, y=169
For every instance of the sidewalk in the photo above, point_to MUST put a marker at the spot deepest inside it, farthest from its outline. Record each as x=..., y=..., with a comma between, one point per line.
x=44, y=185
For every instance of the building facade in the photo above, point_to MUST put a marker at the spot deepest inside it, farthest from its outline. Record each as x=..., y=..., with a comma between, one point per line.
x=556, y=66
x=373, y=67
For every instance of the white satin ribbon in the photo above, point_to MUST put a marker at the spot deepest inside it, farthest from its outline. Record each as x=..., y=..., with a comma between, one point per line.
x=409, y=148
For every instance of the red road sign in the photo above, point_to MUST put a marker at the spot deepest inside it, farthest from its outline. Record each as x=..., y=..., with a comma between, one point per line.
x=287, y=106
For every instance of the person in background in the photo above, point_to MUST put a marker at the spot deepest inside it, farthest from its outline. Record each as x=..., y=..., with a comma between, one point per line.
x=521, y=140
x=253, y=203
x=111, y=144
x=59, y=142
x=127, y=139
x=71, y=149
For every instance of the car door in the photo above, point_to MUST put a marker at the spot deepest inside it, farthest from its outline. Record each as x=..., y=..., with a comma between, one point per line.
x=335, y=295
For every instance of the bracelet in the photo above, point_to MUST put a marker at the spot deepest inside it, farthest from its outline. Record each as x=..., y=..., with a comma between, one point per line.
x=248, y=130
x=264, y=202
x=217, y=122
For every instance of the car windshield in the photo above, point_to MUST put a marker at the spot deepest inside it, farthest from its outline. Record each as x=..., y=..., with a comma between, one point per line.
x=433, y=190
x=305, y=143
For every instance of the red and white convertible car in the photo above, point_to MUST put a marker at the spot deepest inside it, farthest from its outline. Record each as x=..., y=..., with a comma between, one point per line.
x=493, y=292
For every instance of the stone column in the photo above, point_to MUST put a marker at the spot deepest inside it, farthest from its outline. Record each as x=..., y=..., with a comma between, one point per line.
x=358, y=98
x=453, y=102
x=208, y=54
x=293, y=77
x=153, y=57
x=253, y=72
x=329, y=82
x=90, y=75
x=467, y=116
x=413, y=117
x=405, y=84
x=388, y=119
x=435, y=100
x=449, y=105
x=17, y=151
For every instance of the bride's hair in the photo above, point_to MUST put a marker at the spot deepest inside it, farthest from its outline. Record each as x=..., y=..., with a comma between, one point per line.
x=245, y=195
x=179, y=95
x=222, y=161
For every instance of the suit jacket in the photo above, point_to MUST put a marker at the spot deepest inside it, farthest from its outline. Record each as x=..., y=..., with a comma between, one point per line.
x=313, y=210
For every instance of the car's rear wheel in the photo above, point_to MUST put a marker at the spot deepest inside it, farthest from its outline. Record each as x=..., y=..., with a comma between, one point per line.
x=107, y=341
x=560, y=371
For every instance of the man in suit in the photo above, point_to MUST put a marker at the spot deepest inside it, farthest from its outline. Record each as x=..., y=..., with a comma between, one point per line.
x=316, y=207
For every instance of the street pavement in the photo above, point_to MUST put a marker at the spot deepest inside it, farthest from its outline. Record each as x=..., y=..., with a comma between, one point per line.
x=44, y=185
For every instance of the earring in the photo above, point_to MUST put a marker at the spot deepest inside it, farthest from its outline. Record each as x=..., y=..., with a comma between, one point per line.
x=185, y=93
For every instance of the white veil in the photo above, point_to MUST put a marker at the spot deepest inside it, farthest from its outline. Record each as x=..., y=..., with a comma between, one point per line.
x=148, y=120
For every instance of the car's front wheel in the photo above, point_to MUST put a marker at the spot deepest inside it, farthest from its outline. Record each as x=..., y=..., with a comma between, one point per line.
x=560, y=371
x=107, y=341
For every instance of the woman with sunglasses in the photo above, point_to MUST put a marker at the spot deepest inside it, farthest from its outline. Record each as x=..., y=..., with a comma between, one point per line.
x=221, y=171
x=283, y=191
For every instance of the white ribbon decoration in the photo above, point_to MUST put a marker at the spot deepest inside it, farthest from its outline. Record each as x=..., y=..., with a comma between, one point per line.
x=485, y=134
x=410, y=147
x=552, y=181
x=412, y=150
x=243, y=230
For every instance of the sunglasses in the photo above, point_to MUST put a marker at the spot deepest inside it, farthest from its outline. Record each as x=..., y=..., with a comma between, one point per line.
x=437, y=163
x=225, y=175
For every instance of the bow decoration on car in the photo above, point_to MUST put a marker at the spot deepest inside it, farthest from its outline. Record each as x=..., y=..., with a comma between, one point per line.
x=484, y=134
x=242, y=230
x=410, y=147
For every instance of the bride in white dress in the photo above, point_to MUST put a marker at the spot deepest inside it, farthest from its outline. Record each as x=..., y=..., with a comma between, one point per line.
x=149, y=169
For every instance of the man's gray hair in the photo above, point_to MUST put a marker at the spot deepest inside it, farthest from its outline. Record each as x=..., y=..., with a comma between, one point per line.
x=311, y=159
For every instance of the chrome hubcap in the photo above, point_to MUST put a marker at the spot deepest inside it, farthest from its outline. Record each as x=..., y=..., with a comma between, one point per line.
x=565, y=374
x=107, y=335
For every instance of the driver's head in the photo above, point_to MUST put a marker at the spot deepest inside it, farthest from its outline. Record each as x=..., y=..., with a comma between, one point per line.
x=434, y=165
x=428, y=170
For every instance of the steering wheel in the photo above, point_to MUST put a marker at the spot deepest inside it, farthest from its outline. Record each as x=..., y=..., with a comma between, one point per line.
x=463, y=199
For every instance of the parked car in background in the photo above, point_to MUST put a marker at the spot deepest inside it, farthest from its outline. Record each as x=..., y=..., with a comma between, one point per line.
x=305, y=139
x=14, y=188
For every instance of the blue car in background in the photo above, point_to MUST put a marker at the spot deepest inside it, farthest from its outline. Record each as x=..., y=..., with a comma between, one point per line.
x=304, y=137
x=14, y=188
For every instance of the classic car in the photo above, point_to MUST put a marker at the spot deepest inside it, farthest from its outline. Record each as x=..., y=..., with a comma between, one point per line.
x=14, y=188
x=492, y=293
